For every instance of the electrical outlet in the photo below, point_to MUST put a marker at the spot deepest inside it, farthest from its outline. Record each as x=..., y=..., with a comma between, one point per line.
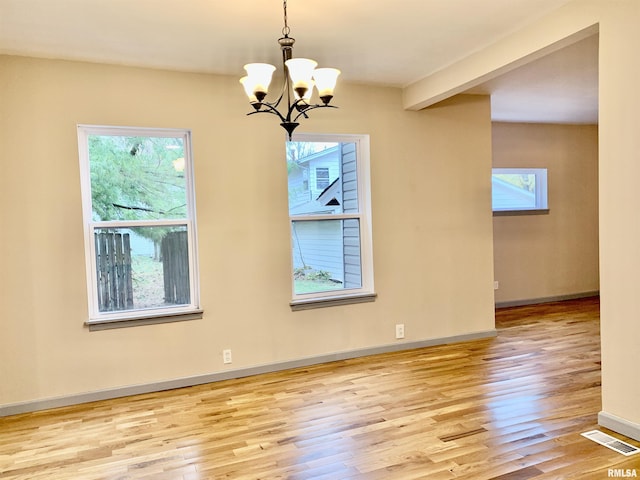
x=226, y=356
x=400, y=330
x=496, y=285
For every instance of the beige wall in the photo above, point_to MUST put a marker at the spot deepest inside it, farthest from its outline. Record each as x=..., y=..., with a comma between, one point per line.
x=617, y=22
x=431, y=219
x=619, y=204
x=553, y=255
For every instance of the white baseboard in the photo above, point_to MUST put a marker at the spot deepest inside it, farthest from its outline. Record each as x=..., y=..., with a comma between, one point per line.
x=619, y=425
x=75, y=399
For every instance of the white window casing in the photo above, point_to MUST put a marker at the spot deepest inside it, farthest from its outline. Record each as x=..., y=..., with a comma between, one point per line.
x=349, y=293
x=133, y=315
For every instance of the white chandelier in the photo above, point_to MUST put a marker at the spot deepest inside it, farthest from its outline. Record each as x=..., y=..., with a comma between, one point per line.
x=300, y=76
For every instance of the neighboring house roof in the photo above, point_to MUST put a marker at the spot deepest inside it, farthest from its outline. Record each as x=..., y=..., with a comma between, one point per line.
x=311, y=208
x=327, y=201
x=319, y=155
x=332, y=190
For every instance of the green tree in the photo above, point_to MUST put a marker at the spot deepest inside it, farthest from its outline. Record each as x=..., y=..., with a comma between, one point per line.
x=137, y=178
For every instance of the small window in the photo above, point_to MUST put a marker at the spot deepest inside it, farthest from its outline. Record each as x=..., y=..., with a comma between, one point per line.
x=330, y=227
x=519, y=189
x=139, y=215
x=322, y=178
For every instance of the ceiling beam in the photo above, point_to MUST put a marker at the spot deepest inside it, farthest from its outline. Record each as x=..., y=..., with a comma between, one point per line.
x=566, y=26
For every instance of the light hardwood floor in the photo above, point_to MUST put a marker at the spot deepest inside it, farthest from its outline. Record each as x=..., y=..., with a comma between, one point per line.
x=509, y=408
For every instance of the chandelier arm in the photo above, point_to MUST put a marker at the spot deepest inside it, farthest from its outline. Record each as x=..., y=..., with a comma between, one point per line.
x=293, y=107
x=277, y=102
x=312, y=107
x=270, y=109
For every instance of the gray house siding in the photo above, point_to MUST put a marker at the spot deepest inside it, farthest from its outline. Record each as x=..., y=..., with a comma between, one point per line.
x=351, y=228
x=329, y=245
x=319, y=246
x=299, y=193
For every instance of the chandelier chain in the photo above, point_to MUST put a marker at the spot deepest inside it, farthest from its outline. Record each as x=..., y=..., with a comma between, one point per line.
x=285, y=30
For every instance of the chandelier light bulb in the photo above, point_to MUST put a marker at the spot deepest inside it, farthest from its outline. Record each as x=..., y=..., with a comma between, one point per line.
x=305, y=100
x=248, y=89
x=301, y=73
x=326, y=79
x=258, y=78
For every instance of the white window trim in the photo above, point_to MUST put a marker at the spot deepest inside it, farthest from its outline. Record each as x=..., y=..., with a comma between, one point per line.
x=541, y=192
x=366, y=292
x=102, y=320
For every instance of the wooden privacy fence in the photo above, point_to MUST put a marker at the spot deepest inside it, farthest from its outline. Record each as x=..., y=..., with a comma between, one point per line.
x=175, y=263
x=113, y=260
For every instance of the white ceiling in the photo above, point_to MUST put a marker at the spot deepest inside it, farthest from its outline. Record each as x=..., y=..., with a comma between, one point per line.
x=391, y=43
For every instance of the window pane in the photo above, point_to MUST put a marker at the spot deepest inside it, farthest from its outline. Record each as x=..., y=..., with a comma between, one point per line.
x=141, y=268
x=322, y=178
x=515, y=189
x=326, y=255
x=137, y=178
x=510, y=190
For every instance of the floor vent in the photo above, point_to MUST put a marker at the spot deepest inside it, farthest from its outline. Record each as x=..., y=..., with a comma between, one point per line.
x=611, y=442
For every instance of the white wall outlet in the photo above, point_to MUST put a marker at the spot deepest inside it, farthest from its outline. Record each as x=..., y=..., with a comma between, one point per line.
x=400, y=330
x=226, y=356
x=496, y=285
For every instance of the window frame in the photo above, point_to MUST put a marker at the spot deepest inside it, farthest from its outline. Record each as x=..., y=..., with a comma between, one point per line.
x=540, y=192
x=126, y=318
x=365, y=293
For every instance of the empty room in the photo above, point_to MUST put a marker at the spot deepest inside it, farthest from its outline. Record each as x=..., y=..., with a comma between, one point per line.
x=298, y=268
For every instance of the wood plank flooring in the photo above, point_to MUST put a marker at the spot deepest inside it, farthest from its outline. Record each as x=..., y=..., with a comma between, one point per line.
x=508, y=408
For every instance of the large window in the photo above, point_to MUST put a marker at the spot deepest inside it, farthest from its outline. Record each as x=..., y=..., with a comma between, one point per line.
x=330, y=218
x=519, y=189
x=138, y=206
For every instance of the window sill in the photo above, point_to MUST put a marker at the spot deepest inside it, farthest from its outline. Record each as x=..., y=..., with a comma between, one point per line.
x=139, y=320
x=513, y=213
x=309, y=304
